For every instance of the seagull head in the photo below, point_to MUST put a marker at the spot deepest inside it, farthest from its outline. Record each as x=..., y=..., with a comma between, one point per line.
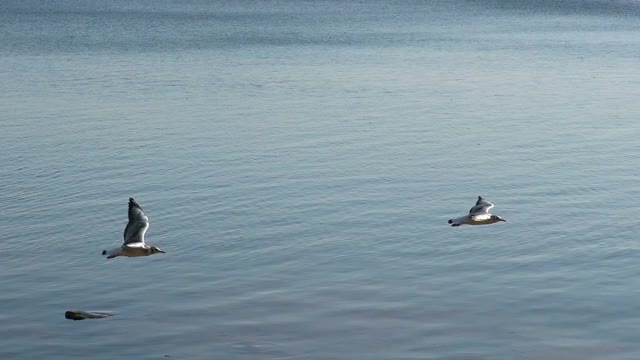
x=155, y=250
x=498, y=218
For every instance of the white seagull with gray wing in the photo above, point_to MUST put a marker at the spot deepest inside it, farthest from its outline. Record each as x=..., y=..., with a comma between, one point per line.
x=134, y=235
x=478, y=215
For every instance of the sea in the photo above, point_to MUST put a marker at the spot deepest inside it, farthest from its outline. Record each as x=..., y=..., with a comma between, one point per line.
x=298, y=161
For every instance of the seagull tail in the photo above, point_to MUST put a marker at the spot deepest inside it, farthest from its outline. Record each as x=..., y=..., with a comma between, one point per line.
x=458, y=221
x=113, y=251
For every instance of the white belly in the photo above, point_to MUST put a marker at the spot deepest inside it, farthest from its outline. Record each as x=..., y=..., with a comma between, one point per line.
x=481, y=222
x=133, y=250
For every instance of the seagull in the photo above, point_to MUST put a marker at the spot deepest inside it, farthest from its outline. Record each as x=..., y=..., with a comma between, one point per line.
x=478, y=215
x=134, y=235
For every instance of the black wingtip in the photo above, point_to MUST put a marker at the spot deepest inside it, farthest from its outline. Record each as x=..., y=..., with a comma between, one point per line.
x=104, y=252
x=133, y=202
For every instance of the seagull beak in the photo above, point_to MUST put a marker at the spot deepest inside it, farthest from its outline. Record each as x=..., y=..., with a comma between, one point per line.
x=161, y=251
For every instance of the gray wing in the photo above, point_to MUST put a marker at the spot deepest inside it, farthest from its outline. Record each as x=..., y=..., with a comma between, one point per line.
x=137, y=225
x=482, y=207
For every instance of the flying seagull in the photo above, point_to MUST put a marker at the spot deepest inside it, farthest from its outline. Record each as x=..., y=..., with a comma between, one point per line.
x=134, y=235
x=478, y=215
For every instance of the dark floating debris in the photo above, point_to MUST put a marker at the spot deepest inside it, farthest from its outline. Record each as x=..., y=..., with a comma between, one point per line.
x=81, y=315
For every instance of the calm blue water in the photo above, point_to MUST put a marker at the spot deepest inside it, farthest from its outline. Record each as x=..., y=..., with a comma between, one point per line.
x=298, y=161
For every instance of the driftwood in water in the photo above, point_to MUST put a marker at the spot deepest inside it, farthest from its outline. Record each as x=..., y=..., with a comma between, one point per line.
x=81, y=315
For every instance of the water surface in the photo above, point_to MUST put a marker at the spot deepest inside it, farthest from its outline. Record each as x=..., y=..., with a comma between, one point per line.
x=298, y=161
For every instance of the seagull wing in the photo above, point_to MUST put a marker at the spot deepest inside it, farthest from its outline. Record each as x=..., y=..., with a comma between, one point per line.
x=482, y=207
x=137, y=225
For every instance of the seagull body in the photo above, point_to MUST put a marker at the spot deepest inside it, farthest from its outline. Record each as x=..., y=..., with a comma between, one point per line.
x=478, y=215
x=134, y=235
